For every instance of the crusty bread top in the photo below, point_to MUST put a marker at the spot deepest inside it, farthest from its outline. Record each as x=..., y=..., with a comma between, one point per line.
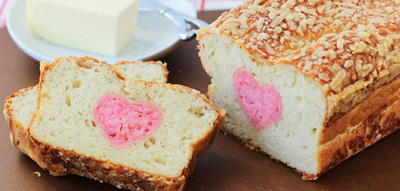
x=345, y=45
x=154, y=71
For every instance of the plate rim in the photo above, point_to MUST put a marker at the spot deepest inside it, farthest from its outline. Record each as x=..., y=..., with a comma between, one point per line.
x=41, y=56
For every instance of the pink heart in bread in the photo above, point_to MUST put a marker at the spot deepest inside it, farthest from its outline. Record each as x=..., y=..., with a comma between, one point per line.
x=124, y=123
x=261, y=104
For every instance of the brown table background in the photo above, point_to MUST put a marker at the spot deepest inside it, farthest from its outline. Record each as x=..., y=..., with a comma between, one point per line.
x=227, y=165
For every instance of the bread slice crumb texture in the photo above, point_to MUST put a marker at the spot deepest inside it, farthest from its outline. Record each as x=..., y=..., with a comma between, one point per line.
x=65, y=117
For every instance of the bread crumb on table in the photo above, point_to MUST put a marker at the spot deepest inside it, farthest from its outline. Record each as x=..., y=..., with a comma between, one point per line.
x=37, y=173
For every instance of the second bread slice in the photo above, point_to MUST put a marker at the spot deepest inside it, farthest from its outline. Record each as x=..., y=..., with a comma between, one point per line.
x=21, y=105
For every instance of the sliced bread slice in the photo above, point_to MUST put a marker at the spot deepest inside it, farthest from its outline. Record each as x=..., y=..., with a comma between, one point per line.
x=132, y=134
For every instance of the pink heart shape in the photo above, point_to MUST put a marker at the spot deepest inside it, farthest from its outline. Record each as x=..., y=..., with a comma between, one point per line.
x=124, y=123
x=261, y=104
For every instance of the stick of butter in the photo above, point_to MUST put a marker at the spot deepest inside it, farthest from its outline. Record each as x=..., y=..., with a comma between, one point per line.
x=100, y=26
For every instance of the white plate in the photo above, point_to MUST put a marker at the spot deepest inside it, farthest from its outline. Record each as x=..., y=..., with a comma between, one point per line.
x=156, y=36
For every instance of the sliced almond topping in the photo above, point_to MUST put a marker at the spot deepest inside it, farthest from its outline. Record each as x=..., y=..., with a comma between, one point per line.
x=277, y=30
x=324, y=76
x=337, y=81
x=348, y=63
x=353, y=42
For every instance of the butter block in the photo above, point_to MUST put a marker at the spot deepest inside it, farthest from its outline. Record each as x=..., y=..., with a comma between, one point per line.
x=100, y=26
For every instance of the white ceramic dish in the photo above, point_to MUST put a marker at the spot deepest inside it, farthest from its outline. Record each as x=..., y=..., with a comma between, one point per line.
x=156, y=36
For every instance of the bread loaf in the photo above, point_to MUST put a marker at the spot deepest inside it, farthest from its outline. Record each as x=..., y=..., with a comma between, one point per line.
x=310, y=83
x=93, y=122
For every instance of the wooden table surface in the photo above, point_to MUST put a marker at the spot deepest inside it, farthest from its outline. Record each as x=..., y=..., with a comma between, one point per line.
x=227, y=165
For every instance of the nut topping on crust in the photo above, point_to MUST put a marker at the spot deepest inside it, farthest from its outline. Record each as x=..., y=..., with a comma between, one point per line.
x=338, y=43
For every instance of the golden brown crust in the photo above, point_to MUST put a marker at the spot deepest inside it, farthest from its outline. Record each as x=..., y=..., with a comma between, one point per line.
x=377, y=126
x=365, y=55
x=163, y=65
x=317, y=36
x=84, y=61
x=385, y=95
x=62, y=162
x=342, y=103
x=18, y=132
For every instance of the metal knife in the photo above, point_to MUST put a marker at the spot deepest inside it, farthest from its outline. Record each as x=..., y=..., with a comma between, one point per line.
x=187, y=26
